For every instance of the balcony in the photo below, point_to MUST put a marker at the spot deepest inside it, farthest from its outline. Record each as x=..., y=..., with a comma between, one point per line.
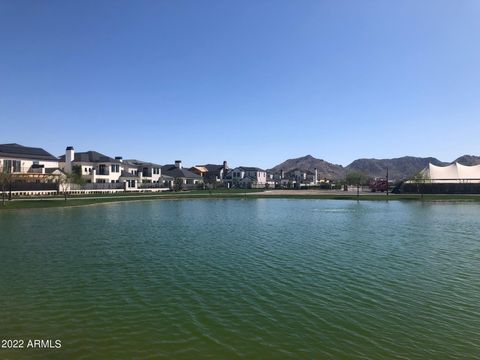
x=103, y=170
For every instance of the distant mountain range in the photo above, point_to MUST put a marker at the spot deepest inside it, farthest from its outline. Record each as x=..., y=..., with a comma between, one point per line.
x=398, y=168
x=324, y=168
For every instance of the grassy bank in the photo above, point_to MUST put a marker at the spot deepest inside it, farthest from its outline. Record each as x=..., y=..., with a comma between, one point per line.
x=220, y=194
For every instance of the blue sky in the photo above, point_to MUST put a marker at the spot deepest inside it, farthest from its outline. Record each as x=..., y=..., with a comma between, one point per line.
x=251, y=82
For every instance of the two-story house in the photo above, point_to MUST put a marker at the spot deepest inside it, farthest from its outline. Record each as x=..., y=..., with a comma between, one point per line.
x=248, y=177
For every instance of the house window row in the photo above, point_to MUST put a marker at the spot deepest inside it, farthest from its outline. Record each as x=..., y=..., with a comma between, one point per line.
x=10, y=166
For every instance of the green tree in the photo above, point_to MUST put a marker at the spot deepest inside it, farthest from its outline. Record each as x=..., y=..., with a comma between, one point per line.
x=178, y=184
x=420, y=179
x=5, y=180
x=357, y=179
x=65, y=181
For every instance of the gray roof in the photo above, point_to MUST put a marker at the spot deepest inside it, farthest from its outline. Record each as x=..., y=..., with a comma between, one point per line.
x=133, y=162
x=250, y=168
x=52, y=170
x=25, y=152
x=126, y=174
x=212, y=167
x=251, y=178
x=91, y=157
x=173, y=171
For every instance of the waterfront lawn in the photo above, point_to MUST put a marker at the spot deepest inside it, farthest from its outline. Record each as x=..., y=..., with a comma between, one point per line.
x=218, y=194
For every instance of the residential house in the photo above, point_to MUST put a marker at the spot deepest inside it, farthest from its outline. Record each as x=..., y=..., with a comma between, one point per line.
x=147, y=173
x=30, y=170
x=247, y=177
x=211, y=173
x=99, y=169
x=296, y=178
x=171, y=172
x=26, y=161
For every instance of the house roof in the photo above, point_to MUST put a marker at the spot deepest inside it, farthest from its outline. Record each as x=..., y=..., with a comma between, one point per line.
x=250, y=168
x=54, y=171
x=173, y=171
x=211, y=167
x=126, y=174
x=134, y=162
x=202, y=169
x=248, y=178
x=91, y=157
x=25, y=152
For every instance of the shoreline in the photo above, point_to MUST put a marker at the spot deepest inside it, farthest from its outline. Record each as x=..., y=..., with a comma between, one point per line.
x=58, y=202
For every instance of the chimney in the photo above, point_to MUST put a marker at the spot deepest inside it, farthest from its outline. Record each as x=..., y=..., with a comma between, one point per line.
x=69, y=158
x=119, y=158
x=225, y=166
x=178, y=164
x=315, y=180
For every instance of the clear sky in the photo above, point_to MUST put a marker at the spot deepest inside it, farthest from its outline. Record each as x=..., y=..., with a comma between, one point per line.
x=252, y=82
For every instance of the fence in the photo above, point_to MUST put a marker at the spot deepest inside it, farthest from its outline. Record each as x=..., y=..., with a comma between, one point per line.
x=97, y=186
x=31, y=186
x=440, y=188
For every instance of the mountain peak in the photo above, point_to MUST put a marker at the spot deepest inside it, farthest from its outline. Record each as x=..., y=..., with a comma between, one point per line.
x=468, y=160
x=309, y=163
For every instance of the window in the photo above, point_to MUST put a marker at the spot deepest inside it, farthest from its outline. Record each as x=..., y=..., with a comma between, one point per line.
x=12, y=165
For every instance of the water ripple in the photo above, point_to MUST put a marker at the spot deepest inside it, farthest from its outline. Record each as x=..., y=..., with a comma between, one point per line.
x=245, y=279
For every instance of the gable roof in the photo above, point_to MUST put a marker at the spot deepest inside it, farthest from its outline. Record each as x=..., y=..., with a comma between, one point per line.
x=25, y=152
x=54, y=171
x=211, y=167
x=173, y=171
x=202, y=169
x=134, y=162
x=126, y=174
x=250, y=168
x=91, y=157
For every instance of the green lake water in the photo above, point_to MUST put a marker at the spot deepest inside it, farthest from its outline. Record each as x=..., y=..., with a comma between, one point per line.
x=264, y=278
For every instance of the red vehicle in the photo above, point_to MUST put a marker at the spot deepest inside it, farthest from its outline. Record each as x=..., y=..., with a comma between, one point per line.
x=378, y=185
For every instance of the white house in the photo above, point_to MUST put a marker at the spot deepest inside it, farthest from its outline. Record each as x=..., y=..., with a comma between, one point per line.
x=248, y=177
x=93, y=166
x=32, y=171
x=108, y=172
x=18, y=159
x=146, y=172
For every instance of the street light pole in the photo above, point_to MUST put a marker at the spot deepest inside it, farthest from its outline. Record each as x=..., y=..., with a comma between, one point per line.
x=387, y=182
